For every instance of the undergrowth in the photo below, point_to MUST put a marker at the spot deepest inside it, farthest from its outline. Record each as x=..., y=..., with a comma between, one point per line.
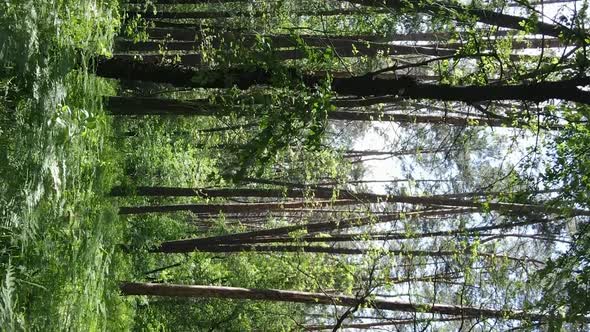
x=58, y=232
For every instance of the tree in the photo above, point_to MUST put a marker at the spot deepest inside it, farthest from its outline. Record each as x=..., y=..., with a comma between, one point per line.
x=400, y=88
x=461, y=12
x=317, y=298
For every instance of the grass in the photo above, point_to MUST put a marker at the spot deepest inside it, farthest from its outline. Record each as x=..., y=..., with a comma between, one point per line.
x=59, y=265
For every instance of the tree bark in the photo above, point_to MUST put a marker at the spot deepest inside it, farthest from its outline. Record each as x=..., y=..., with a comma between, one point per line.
x=397, y=89
x=190, y=244
x=183, y=2
x=528, y=43
x=285, y=40
x=343, y=47
x=384, y=236
x=413, y=151
x=215, y=14
x=346, y=196
x=483, y=15
x=392, y=322
x=333, y=183
x=542, y=2
x=156, y=106
x=334, y=251
x=199, y=291
x=227, y=208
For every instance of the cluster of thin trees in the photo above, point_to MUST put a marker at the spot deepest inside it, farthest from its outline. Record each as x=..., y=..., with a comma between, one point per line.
x=435, y=258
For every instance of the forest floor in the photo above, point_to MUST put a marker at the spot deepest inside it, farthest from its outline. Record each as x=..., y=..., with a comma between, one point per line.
x=59, y=263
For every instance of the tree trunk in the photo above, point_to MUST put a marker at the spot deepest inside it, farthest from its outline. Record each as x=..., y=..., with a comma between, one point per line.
x=183, y=2
x=214, y=209
x=483, y=15
x=183, y=43
x=156, y=106
x=188, y=245
x=391, y=322
x=428, y=119
x=342, y=47
x=383, y=236
x=198, y=291
x=333, y=183
x=336, y=251
x=348, y=196
x=284, y=40
x=196, y=33
x=401, y=88
x=527, y=43
x=215, y=14
x=542, y=2
x=413, y=151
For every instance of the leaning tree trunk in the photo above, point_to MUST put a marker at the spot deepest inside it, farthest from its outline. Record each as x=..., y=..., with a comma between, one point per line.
x=188, y=245
x=482, y=15
x=199, y=291
x=282, y=238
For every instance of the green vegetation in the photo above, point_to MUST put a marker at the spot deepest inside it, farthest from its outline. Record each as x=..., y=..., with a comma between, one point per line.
x=58, y=259
x=216, y=165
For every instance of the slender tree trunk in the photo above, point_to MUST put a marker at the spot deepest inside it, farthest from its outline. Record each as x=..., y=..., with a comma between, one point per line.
x=429, y=119
x=401, y=88
x=316, y=191
x=342, y=47
x=227, y=208
x=529, y=43
x=346, y=44
x=155, y=106
x=492, y=237
x=213, y=192
x=336, y=251
x=426, y=278
x=192, y=59
x=196, y=33
x=227, y=14
x=198, y=291
x=333, y=183
x=348, y=196
x=483, y=15
x=284, y=40
x=189, y=245
x=390, y=235
x=542, y=2
x=196, y=60
x=392, y=322
x=413, y=151
x=184, y=2
x=228, y=128
x=160, y=269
